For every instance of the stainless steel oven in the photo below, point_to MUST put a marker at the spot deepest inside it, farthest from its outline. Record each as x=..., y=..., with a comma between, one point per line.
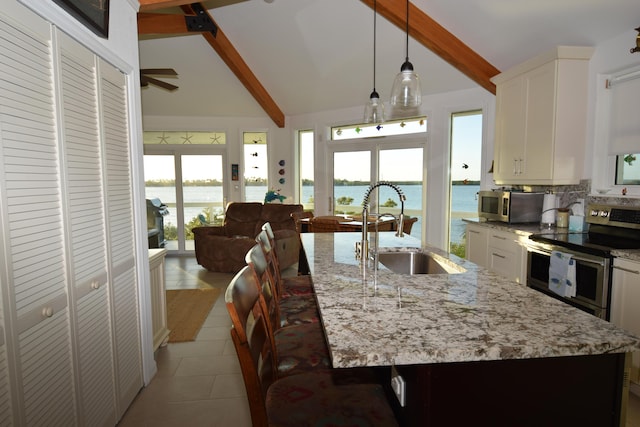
x=610, y=228
x=593, y=277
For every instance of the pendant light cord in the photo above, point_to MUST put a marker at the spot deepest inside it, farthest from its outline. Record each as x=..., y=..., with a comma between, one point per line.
x=375, y=13
x=407, y=58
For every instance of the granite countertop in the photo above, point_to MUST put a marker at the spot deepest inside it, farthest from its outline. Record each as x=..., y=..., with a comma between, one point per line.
x=523, y=229
x=379, y=318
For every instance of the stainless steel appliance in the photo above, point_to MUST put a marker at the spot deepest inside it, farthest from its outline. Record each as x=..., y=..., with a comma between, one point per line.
x=510, y=206
x=156, y=211
x=610, y=228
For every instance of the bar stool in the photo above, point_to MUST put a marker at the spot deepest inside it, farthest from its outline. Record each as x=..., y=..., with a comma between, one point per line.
x=293, y=310
x=286, y=286
x=320, y=398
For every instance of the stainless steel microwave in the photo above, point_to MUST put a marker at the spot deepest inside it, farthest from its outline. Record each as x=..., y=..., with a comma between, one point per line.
x=510, y=206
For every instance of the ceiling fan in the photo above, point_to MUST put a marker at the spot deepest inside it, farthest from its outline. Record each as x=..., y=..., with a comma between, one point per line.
x=146, y=79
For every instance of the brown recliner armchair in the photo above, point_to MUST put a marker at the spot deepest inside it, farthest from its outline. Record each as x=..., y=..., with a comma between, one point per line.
x=223, y=248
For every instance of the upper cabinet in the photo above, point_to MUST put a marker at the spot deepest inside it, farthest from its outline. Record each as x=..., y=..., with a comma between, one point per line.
x=541, y=113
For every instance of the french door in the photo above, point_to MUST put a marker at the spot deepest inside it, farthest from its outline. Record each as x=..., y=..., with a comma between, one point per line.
x=191, y=185
x=354, y=169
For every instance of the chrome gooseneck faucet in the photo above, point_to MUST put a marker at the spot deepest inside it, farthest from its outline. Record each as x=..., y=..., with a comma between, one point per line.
x=363, y=251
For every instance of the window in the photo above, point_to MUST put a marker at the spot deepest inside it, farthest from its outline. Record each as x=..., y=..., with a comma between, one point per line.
x=192, y=188
x=184, y=170
x=184, y=138
x=624, y=126
x=306, y=159
x=256, y=169
x=628, y=169
x=466, y=157
x=396, y=127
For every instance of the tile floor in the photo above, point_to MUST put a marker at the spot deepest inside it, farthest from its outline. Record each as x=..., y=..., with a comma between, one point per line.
x=199, y=383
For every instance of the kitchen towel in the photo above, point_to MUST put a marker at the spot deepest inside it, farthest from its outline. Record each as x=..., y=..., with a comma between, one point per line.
x=562, y=274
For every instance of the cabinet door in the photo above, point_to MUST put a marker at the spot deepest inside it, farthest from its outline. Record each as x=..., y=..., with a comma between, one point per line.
x=33, y=260
x=539, y=123
x=505, y=255
x=476, y=247
x=120, y=242
x=510, y=126
x=625, y=297
x=86, y=226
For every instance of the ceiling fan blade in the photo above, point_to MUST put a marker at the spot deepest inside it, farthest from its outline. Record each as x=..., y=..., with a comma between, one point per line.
x=159, y=71
x=160, y=83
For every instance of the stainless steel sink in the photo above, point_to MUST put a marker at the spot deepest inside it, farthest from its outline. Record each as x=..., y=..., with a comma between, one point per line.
x=413, y=262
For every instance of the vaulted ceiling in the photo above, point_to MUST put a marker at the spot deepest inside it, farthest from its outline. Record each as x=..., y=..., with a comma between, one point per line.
x=289, y=57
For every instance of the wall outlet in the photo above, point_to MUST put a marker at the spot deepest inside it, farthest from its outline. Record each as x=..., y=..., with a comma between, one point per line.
x=399, y=386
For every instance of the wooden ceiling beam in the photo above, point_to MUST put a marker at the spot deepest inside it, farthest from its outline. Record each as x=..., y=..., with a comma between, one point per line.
x=149, y=5
x=438, y=40
x=159, y=23
x=221, y=44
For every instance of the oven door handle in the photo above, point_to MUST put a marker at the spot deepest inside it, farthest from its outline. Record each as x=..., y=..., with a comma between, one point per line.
x=573, y=256
x=628, y=270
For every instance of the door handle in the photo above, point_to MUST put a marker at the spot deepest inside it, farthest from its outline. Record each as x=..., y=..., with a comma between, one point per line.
x=628, y=270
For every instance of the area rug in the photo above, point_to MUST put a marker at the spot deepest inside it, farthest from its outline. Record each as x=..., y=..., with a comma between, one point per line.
x=187, y=310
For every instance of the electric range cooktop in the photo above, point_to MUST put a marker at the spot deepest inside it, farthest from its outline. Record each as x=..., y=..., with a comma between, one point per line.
x=610, y=227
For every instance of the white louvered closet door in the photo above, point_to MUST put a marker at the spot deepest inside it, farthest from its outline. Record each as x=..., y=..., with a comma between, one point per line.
x=86, y=224
x=121, y=248
x=33, y=255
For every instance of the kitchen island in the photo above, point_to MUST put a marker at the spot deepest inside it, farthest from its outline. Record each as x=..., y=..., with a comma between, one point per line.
x=471, y=346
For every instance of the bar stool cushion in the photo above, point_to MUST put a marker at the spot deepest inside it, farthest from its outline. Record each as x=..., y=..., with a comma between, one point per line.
x=316, y=399
x=301, y=348
x=298, y=310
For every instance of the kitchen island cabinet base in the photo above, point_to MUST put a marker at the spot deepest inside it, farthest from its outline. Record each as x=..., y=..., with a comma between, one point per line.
x=563, y=391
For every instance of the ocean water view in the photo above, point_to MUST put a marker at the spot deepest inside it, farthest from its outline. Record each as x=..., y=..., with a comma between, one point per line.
x=464, y=202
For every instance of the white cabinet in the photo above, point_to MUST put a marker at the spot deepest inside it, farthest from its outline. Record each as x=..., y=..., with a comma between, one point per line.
x=158, y=297
x=500, y=251
x=507, y=256
x=625, y=297
x=541, y=113
x=476, y=245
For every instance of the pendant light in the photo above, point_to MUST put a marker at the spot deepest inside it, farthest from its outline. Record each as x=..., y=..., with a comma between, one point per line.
x=406, y=95
x=374, y=109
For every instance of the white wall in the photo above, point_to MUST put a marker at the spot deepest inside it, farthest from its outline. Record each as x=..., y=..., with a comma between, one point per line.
x=609, y=57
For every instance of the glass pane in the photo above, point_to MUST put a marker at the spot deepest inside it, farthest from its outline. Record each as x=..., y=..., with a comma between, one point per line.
x=255, y=166
x=160, y=183
x=351, y=178
x=397, y=127
x=306, y=170
x=409, y=178
x=466, y=155
x=628, y=169
x=202, y=186
x=184, y=138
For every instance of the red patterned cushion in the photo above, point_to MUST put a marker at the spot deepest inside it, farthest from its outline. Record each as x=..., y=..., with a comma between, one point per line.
x=297, y=285
x=316, y=399
x=301, y=348
x=298, y=310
